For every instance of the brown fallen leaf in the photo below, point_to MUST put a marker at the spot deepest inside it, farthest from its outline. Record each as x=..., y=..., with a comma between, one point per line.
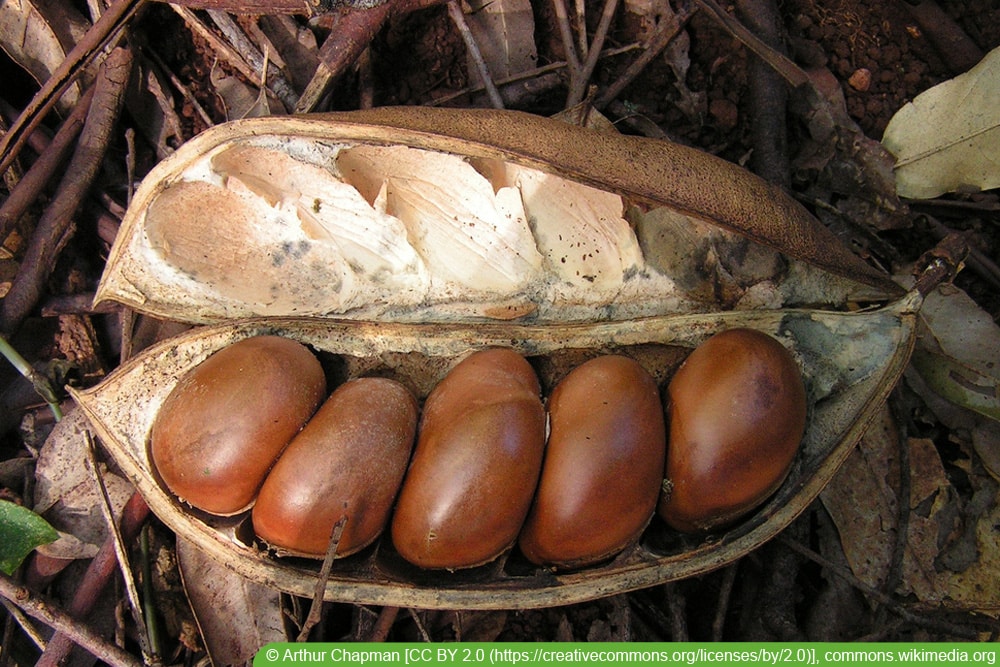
x=236, y=616
x=950, y=554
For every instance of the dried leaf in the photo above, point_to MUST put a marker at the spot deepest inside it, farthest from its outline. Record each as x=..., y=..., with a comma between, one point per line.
x=505, y=33
x=955, y=368
x=21, y=530
x=236, y=616
x=66, y=491
x=37, y=35
x=958, y=383
x=948, y=138
x=950, y=556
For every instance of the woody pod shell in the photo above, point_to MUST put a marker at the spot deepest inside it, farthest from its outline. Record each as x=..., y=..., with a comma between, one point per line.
x=850, y=360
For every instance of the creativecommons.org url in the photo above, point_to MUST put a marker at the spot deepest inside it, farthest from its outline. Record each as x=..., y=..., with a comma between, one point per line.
x=304, y=653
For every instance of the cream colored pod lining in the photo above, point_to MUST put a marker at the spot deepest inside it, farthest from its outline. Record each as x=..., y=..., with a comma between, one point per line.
x=279, y=225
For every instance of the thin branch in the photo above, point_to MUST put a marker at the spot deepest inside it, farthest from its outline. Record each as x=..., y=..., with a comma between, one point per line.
x=578, y=89
x=665, y=33
x=458, y=18
x=319, y=594
x=352, y=34
x=50, y=614
x=56, y=225
x=538, y=72
x=220, y=46
x=383, y=624
x=103, y=32
x=41, y=172
x=270, y=75
x=782, y=64
x=100, y=571
x=135, y=604
x=566, y=35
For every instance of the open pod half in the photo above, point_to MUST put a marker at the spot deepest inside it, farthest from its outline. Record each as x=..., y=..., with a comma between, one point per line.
x=850, y=362
x=397, y=241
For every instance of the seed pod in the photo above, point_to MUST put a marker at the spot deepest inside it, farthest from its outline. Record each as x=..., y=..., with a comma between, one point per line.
x=228, y=419
x=601, y=476
x=348, y=461
x=737, y=415
x=477, y=461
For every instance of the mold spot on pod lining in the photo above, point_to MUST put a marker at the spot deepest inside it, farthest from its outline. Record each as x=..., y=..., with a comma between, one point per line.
x=224, y=424
x=603, y=462
x=737, y=413
x=476, y=464
x=348, y=461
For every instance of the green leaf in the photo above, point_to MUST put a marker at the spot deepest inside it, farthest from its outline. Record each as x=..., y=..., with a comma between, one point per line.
x=21, y=530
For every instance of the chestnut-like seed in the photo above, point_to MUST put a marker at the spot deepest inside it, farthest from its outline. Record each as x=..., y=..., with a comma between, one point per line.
x=476, y=464
x=737, y=416
x=226, y=421
x=348, y=462
x=603, y=464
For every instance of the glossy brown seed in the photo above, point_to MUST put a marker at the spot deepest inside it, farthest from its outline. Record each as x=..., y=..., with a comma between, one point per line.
x=227, y=420
x=603, y=464
x=476, y=464
x=737, y=416
x=349, y=462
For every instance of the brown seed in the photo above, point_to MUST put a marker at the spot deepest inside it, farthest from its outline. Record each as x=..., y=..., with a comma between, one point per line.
x=603, y=463
x=476, y=464
x=349, y=462
x=737, y=416
x=226, y=421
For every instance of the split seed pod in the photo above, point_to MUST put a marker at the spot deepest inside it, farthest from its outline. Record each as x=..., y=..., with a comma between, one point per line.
x=476, y=464
x=303, y=244
x=228, y=419
x=347, y=463
x=601, y=476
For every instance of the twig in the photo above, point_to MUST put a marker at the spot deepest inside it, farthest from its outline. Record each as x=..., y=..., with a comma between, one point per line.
x=767, y=96
x=319, y=594
x=259, y=7
x=944, y=627
x=895, y=575
x=270, y=76
x=19, y=617
x=780, y=62
x=566, y=35
x=101, y=569
x=40, y=173
x=665, y=32
x=219, y=45
x=135, y=604
x=421, y=628
x=50, y=614
x=383, y=624
x=578, y=86
x=535, y=73
x=725, y=593
x=181, y=88
x=103, y=32
x=56, y=225
x=581, y=21
x=458, y=18
x=353, y=33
